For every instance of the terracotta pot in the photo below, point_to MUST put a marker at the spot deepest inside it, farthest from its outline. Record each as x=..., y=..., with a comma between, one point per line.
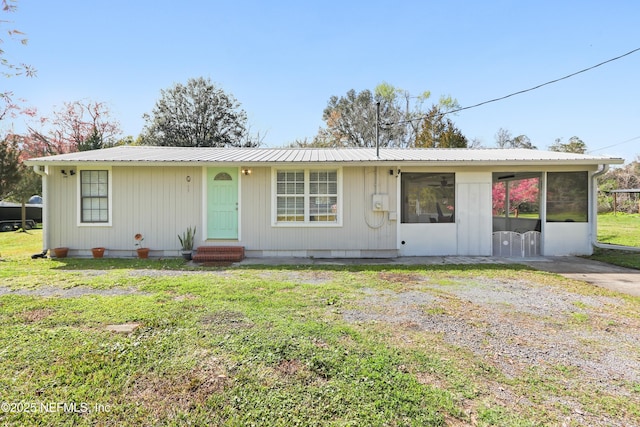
x=97, y=252
x=143, y=252
x=61, y=252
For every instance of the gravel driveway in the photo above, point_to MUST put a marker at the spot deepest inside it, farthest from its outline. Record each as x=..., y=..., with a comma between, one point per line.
x=519, y=327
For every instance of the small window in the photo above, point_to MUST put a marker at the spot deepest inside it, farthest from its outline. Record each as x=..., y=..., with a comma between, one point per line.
x=223, y=176
x=94, y=196
x=567, y=197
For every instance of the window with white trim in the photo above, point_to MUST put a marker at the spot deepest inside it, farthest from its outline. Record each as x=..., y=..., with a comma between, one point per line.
x=94, y=196
x=307, y=196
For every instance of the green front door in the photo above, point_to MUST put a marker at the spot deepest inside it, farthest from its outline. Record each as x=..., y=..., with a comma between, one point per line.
x=222, y=203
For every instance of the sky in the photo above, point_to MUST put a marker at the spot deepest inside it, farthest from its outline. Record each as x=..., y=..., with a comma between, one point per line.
x=283, y=60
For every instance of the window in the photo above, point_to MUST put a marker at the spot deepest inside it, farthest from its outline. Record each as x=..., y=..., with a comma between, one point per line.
x=94, y=196
x=307, y=196
x=567, y=197
x=514, y=196
x=290, y=190
x=428, y=197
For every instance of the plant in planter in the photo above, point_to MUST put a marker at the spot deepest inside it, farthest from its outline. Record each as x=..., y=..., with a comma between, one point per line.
x=61, y=252
x=186, y=242
x=142, y=251
x=97, y=252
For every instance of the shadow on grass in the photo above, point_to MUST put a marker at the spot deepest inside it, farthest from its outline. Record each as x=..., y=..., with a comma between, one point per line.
x=121, y=264
x=393, y=267
x=181, y=265
x=628, y=259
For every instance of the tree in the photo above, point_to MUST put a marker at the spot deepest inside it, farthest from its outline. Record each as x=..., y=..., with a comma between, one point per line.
x=407, y=115
x=9, y=165
x=523, y=196
x=319, y=141
x=504, y=139
x=197, y=114
x=439, y=131
x=8, y=106
x=28, y=184
x=92, y=142
x=77, y=126
x=17, y=181
x=85, y=125
x=351, y=121
x=575, y=145
x=11, y=69
x=36, y=144
x=622, y=178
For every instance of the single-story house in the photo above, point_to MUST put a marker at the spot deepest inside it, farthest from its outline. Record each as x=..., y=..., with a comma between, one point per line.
x=323, y=202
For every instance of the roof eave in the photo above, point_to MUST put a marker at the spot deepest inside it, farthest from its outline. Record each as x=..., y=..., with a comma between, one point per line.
x=377, y=162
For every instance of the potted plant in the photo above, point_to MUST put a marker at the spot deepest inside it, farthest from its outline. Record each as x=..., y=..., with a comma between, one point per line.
x=186, y=242
x=97, y=252
x=61, y=252
x=142, y=251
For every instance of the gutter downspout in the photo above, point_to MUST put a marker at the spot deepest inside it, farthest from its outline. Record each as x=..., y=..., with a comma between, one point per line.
x=44, y=173
x=594, y=215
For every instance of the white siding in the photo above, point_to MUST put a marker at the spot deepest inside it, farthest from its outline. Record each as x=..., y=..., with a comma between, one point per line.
x=362, y=229
x=157, y=202
x=160, y=203
x=566, y=238
x=427, y=239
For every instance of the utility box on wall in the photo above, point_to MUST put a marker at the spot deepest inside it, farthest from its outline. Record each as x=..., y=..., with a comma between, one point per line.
x=380, y=202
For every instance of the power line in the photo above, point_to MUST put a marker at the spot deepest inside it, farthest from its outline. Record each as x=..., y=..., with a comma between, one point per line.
x=520, y=91
x=614, y=145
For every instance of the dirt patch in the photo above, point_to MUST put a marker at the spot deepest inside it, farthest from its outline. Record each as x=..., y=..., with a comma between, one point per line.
x=179, y=273
x=311, y=277
x=226, y=321
x=123, y=328
x=184, y=297
x=289, y=368
x=316, y=277
x=75, y=292
x=171, y=395
x=402, y=278
x=36, y=315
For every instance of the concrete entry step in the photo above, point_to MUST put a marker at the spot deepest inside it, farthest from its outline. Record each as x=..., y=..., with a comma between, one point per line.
x=219, y=253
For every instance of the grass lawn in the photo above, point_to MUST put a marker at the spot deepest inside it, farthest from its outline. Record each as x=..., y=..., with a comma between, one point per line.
x=620, y=229
x=303, y=345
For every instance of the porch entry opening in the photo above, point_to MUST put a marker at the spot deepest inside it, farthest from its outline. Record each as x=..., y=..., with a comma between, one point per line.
x=222, y=203
x=517, y=227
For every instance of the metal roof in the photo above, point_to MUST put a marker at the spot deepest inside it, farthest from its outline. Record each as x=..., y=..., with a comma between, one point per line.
x=151, y=155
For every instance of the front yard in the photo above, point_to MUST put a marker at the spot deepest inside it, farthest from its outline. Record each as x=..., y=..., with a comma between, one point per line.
x=300, y=345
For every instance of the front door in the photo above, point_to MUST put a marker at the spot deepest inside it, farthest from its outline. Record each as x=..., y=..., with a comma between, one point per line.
x=222, y=203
